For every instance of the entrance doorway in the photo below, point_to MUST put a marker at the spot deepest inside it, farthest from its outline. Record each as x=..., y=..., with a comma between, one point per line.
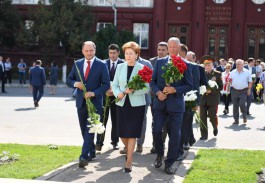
x=256, y=42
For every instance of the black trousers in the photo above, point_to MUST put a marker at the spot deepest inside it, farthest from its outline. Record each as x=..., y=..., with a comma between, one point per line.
x=112, y=109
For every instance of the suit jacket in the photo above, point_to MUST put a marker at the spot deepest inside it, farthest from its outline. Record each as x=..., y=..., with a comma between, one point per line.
x=195, y=79
x=153, y=61
x=253, y=69
x=37, y=76
x=148, y=64
x=203, y=79
x=173, y=102
x=220, y=69
x=98, y=81
x=119, y=85
x=2, y=73
x=109, y=68
x=213, y=98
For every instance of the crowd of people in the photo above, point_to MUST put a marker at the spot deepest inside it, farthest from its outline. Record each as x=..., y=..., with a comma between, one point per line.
x=108, y=79
x=24, y=72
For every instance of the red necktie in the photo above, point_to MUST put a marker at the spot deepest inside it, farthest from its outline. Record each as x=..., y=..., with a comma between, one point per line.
x=87, y=69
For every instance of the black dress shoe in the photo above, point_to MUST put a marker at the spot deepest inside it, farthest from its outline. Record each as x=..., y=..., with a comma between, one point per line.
x=180, y=158
x=192, y=141
x=127, y=170
x=115, y=147
x=153, y=150
x=186, y=146
x=169, y=169
x=98, y=147
x=82, y=163
x=203, y=138
x=4, y=92
x=215, y=132
x=158, y=161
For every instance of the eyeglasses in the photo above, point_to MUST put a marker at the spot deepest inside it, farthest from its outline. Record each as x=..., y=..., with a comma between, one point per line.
x=228, y=68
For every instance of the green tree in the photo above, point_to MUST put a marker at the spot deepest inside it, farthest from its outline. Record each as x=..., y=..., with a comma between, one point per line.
x=64, y=23
x=10, y=22
x=109, y=35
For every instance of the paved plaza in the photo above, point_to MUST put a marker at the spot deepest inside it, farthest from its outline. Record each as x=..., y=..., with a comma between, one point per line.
x=55, y=122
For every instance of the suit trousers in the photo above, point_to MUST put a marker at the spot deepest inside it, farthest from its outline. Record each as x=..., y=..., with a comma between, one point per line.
x=37, y=92
x=208, y=111
x=88, y=147
x=239, y=99
x=112, y=109
x=174, y=123
x=249, y=100
x=186, y=129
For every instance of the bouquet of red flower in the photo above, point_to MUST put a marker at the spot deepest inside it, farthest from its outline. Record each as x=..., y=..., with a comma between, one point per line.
x=174, y=70
x=138, y=81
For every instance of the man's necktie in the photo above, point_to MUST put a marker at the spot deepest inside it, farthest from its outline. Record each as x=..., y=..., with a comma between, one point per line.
x=112, y=71
x=87, y=69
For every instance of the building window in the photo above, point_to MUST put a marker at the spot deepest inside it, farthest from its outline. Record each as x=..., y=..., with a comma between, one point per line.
x=256, y=42
x=28, y=24
x=104, y=3
x=219, y=1
x=258, y=1
x=141, y=32
x=103, y=25
x=30, y=1
x=180, y=31
x=180, y=1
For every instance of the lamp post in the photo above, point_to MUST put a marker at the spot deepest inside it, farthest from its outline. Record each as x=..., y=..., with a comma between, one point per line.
x=115, y=12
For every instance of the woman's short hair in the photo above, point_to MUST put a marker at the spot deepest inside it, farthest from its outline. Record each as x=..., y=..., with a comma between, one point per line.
x=133, y=45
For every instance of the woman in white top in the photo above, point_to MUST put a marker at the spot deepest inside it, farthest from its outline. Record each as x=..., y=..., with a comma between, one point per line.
x=226, y=87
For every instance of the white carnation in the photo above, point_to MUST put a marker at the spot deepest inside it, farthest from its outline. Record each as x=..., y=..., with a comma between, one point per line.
x=202, y=89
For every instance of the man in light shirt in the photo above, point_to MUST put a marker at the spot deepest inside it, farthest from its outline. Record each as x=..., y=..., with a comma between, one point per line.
x=241, y=85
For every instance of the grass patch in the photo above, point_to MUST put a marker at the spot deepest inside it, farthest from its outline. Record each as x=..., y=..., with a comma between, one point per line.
x=226, y=166
x=36, y=160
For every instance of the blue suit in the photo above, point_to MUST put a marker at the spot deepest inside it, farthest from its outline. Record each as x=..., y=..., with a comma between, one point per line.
x=172, y=108
x=140, y=141
x=37, y=80
x=97, y=82
x=113, y=110
x=186, y=127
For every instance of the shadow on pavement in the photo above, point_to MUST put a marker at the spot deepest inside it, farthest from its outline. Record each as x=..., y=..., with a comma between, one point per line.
x=25, y=109
x=108, y=167
x=239, y=127
x=206, y=143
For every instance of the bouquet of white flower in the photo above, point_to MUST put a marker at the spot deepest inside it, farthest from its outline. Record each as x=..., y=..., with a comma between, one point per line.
x=190, y=102
x=94, y=119
x=202, y=90
x=253, y=76
x=212, y=85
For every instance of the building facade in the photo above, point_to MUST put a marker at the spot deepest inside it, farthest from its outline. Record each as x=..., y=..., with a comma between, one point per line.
x=221, y=28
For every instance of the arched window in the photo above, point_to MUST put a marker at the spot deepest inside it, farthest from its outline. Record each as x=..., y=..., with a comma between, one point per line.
x=258, y=1
x=219, y=1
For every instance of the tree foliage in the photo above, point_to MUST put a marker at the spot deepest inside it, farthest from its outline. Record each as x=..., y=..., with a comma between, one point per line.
x=10, y=22
x=65, y=23
x=109, y=35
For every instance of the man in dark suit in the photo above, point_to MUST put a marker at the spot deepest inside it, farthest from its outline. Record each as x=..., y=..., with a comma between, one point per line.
x=162, y=51
x=221, y=66
x=168, y=103
x=95, y=76
x=2, y=74
x=112, y=63
x=251, y=67
x=37, y=80
x=210, y=100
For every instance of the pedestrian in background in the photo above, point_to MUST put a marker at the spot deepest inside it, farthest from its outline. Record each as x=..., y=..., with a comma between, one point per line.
x=53, y=77
x=8, y=66
x=22, y=71
x=37, y=79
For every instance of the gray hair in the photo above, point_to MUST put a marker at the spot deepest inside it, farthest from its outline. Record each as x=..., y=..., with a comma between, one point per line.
x=89, y=43
x=175, y=39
